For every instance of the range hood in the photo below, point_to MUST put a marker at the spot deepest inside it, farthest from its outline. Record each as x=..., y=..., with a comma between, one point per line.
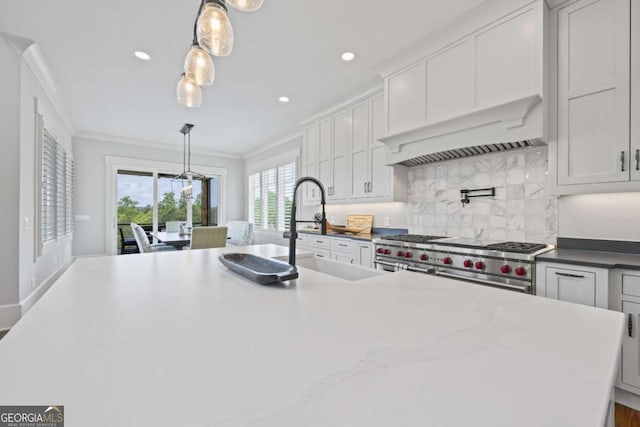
x=510, y=126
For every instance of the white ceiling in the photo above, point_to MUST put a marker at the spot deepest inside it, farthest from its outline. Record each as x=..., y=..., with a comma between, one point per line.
x=289, y=47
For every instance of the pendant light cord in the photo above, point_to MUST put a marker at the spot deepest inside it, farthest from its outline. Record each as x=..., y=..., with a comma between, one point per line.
x=195, y=24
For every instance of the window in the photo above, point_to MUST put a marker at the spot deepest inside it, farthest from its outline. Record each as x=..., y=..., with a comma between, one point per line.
x=56, y=203
x=271, y=197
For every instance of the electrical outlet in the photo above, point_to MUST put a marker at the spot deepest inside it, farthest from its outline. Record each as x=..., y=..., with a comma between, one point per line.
x=387, y=221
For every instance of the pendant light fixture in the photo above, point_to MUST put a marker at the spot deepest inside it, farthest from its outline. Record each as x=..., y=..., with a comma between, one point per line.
x=188, y=93
x=214, y=30
x=246, y=5
x=212, y=35
x=183, y=183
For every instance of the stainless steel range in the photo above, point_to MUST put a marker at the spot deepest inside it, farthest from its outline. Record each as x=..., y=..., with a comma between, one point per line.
x=508, y=265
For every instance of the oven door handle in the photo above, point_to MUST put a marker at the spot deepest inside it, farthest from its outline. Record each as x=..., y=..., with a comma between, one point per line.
x=521, y=288
x=400, y=266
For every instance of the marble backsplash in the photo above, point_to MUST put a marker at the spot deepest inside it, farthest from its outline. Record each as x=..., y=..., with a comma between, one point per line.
x=521, y=210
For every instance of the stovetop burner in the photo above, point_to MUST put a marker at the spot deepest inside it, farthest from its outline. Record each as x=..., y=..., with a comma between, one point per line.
x=517, y=247
x=411, y=238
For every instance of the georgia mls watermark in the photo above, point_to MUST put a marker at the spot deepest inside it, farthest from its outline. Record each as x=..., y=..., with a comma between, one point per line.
x=32, y=416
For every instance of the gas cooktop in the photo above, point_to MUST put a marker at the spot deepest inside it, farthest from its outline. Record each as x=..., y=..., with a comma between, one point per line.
x=410, y=238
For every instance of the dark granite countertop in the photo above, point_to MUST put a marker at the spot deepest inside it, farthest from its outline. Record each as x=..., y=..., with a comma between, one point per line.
x=591, y=258
x=364, y=237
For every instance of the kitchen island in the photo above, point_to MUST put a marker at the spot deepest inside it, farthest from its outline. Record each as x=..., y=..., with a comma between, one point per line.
x=176, y=339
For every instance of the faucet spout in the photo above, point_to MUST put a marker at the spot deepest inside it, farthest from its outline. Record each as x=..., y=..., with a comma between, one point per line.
x=292, y=235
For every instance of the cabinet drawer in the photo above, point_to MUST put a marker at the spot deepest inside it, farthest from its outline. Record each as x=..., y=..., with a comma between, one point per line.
x=322, y=253
x=631, y=285
x=302, y=239
x=343, y=245
x=319, y=241
x=571, y=285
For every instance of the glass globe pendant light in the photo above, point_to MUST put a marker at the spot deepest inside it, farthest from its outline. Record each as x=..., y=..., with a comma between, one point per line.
x=214, y=31
x=246, y=5
x=198, y=66
x=188, y=93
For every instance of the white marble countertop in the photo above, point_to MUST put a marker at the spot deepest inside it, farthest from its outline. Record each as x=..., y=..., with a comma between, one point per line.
x=176, y=339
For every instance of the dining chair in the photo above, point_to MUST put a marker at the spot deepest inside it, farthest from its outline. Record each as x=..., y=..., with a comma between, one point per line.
x=208, y=237
x=128, y=245
x=240, y=233
x=143, y=241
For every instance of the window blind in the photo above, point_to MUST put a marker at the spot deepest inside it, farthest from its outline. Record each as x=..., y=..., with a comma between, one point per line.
x=269, y=199
x=56, y=199
x=286, y=183
x=48, y=201
x=61, y=180
x=271, y=196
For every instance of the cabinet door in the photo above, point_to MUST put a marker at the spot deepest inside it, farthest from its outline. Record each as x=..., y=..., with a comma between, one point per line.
x=324, y=155
x=635, y=90
x=345, y=257
x=380, y=174
x=630, y=368
x=339, y=149
x=571, y=285
x=364, y=254
x=593, y=92
x=406, y=94
x=359, y=150
x=311, y=149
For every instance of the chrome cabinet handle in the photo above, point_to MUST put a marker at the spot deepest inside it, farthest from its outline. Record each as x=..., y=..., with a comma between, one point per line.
x=573, y=276
x=630, y=325
x=369, y=187
x=622, y=161
x=365, y=187
x=638, y=160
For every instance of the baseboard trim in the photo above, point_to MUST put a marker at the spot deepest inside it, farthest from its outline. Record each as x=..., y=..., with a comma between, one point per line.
x=9, y=315
x=37, y=293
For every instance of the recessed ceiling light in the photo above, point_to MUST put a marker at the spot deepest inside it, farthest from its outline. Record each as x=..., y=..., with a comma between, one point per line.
x=284, y=99
x=348, y=56
x=142, y=55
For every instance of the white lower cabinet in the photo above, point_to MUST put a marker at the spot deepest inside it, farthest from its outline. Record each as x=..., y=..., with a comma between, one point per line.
x=350, y=251
x=573, y=283
x=626, y=298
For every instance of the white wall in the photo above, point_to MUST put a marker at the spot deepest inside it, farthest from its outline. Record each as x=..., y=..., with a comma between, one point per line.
x=600, y=216
x=24, y=276
x=9, y=172
x=90, y=154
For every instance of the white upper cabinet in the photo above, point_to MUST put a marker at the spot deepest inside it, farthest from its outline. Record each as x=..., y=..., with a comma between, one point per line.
x=593, y=92
x=350, y=160
x=486, y=83
x=635, y=91
x=310, y=156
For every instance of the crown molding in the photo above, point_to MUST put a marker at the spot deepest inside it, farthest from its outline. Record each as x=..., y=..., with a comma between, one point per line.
x=34, y=59
x=272, y=145
x=150, y=144
x=378, y=87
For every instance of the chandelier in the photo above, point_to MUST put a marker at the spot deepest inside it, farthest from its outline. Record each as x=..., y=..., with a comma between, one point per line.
x=212, y=35
x=183, y=183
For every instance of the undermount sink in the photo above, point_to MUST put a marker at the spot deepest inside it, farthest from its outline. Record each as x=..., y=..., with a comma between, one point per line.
x=338, y=269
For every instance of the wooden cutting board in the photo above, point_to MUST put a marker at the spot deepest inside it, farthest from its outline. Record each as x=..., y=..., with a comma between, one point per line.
x=364, y=223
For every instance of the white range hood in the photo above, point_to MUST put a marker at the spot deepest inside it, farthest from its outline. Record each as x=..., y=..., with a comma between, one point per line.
x=472, y=93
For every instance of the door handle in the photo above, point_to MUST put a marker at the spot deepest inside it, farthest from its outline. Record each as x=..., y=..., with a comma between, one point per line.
x=573, y=276
x=638, y=160
x=630, y=325
x=622, y=161
x=365, y=187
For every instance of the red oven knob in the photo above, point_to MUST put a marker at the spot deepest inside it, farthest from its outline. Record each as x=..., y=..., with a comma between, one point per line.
x=505, y=269
x=380, y=250
x=424, y=257
x=408, y=255
x=447, y=260
x=480, y=265
x=468, y=263
x=400, y=253
x=521, y=271
x=387, y=251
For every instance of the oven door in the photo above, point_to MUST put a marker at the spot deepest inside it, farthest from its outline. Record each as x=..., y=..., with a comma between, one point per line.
x=387, y=265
